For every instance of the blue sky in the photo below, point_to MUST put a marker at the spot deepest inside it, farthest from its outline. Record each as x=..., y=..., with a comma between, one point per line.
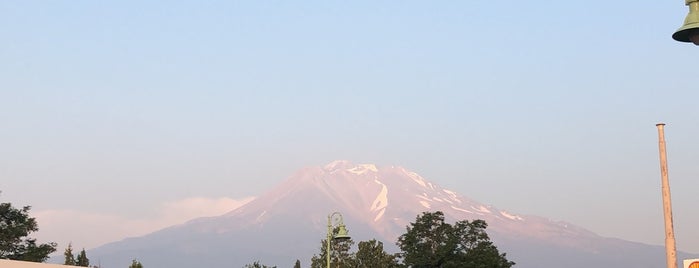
x=544, y=107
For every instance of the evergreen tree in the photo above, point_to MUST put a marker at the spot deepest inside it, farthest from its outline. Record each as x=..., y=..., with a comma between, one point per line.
x=15, y=227
x=69, y=259
x=371, y=254
x=297, y=264
x=82, y=259
x=136, y=264
x=339, y=254
x=258, y=265
x=431, y=242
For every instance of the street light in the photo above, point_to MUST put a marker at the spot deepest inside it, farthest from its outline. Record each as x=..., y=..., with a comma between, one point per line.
x=341, y=233
x=689, y=32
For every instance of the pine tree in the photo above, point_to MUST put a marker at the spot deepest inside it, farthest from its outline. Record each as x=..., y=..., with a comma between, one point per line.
x=258, y=265
x=298, y=264
x=69, y=259
x=136, y=264
x=82, y=259
x=339, y=254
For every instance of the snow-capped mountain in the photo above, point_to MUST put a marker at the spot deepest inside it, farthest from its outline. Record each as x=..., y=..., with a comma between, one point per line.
x=288, y=222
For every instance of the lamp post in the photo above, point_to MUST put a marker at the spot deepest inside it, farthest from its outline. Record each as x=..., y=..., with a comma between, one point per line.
x=670, y=250
x=689, y=32
x=341, y=233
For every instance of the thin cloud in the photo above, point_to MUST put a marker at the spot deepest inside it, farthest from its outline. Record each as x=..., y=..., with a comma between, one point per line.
x=91, y=229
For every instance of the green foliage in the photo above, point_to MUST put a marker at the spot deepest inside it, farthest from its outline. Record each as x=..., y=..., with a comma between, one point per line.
x=431, y=242
x=339, y=254
x=136, y=264
x=15, y=227
x=69, y=259
x=82, y=259
x=297, y=264
x=258, y=265
x=371, y=254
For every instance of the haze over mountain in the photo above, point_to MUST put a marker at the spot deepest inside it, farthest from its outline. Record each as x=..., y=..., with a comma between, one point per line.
x=288, y=222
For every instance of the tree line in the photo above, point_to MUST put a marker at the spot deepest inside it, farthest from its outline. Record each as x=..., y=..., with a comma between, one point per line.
x=429, y=242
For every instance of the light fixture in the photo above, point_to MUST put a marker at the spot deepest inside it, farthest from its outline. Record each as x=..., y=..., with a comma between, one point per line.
x=341, y=234
x=689, y=32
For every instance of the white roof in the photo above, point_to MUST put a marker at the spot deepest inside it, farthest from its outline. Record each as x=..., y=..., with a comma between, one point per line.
x=26, y=264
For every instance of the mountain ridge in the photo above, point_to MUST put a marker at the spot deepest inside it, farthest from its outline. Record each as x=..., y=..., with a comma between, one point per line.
x=376, y=202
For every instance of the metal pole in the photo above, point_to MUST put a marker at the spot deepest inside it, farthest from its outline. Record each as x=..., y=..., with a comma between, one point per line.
x=670, y=250
x=330, y=236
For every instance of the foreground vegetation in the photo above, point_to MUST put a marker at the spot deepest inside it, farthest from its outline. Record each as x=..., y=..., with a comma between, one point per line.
x=428, y=242
x=15, y=243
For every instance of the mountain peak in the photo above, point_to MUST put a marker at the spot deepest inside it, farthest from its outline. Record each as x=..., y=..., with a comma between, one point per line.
x=363, y=168
x=348, y=166
x=338, y=164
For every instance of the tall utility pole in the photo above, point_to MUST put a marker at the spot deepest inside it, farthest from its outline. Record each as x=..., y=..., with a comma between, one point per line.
x=670, y=250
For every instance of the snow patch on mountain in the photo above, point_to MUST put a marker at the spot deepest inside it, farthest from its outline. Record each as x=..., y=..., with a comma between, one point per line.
x=259, y=218
x=452, y=195
x=510, y=216
x=380, y=202
x=337, y=164
x=423, y=196
x=461, y=209
x=482, y=209
x=417, y=178
x=361, y=169
x=425, y=204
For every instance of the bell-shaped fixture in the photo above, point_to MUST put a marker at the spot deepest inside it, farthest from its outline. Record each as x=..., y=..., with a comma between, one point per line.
x=342, y=233
x=689, y=32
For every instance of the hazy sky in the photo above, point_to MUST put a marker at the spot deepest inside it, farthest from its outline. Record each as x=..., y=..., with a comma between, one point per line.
x=118, y=118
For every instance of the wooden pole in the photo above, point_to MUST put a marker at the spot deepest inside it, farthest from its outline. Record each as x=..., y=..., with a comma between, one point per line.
x=670, y=250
